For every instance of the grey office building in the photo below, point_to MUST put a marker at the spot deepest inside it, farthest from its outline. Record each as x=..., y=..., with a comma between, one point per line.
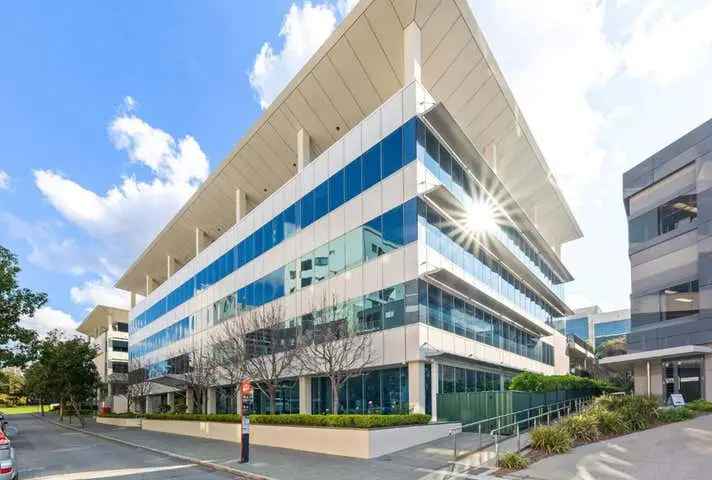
x=668, y=202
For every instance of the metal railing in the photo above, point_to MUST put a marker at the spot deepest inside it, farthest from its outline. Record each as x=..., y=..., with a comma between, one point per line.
x=543, y=411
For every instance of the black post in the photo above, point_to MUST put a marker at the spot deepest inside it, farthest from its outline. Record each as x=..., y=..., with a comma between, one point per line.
x=245, y=437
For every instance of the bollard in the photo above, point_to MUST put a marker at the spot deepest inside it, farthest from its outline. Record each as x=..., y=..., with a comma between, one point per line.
x=519, y=439
x=479, y=431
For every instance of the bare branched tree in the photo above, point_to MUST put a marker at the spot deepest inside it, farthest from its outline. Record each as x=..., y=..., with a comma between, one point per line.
x=200, y=374
x=335, y=348
x=139, y=385
x=229, y=353
x=269, y=348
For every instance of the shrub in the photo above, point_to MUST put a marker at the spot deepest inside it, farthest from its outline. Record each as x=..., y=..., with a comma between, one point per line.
x=609, y=423
x=700, y=406
x=551, y=439
x=638, y=411
x=342, y=421
x=670, y=415
x=513, y=461
x=120, y=415
x=537, y=382
x=195, y=417
x=582, y=427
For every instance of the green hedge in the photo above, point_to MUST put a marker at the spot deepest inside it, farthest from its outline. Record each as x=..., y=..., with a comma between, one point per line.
x=537, y=382
x=120, y=415
x=342, y=421
x=194, y=417
x=339, y=421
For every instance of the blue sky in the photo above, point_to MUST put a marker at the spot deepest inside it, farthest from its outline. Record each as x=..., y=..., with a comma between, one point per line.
x=114, y=112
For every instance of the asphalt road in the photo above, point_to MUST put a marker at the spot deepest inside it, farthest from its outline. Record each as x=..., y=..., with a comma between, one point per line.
x=47, y=452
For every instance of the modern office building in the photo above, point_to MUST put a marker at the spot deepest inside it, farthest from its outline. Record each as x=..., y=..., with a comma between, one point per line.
x=594, y=326
x=668, y=201
x=397, y=173
x=108, y=329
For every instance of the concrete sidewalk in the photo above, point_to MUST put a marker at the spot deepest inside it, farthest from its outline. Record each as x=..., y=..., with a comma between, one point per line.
x=677, y=451
x=424, y=462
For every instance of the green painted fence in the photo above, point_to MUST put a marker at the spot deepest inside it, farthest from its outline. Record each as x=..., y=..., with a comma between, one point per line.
x=470, y=407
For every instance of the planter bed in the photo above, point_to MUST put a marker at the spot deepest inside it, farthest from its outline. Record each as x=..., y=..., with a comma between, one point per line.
x=132, y=422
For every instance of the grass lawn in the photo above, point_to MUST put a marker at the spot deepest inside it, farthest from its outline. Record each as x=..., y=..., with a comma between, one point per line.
x=19, y=410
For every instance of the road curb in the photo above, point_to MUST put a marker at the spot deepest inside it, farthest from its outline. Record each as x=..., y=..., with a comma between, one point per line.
x=196, y=461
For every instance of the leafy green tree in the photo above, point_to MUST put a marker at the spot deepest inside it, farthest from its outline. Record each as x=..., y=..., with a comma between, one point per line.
x=17, y=344
x=12, y=388
x=37, y=384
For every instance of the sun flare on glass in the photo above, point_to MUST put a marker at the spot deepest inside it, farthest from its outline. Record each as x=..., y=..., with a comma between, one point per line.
x=481, y=217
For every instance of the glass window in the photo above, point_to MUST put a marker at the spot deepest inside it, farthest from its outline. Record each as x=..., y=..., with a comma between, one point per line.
x=291, y=281
x=355, y=395
x=372, y=166
x=353, y=248
x=307, y=209
x=321, y=263
x=371, y=316
x=120, y=345
x=372, y=391
x=393, y=306
x=434, y=307
x=391, y=390
x=432, y=151
x=291, y=223
x=410, y=221
x=679, y=300
x=354, y=180
x=336, y=190
x=373, y=238
x=393, y=229
x=447, y=304
x=306, y=269
x=321, y=200
x=392, y=153
x=409, y=141
x=337, y=256
x=679, y=211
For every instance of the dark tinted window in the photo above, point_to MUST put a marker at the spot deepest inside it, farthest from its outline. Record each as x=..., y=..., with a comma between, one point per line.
x=336, y=190
x=321, y=200
x=392, y=153
x=679, y=300
x=372, y=166
x=353, y=179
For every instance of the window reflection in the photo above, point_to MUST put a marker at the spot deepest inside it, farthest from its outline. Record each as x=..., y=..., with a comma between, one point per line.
x=679, y=300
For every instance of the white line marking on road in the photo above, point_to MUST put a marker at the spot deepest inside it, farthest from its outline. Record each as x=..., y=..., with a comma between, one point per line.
x=121, y=472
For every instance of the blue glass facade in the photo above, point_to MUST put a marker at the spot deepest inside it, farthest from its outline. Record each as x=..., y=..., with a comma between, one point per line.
x=444, y=237
x=383, y=159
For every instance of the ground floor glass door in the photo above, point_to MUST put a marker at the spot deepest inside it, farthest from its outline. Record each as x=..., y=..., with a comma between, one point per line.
x=683, y=376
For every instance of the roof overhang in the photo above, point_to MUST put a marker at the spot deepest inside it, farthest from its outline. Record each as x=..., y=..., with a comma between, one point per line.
x=98, y=319
x=357, y=68
x=632, y=358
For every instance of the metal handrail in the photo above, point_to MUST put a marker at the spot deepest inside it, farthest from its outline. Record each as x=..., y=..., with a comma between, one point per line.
x=578, y=405
x=453, y=431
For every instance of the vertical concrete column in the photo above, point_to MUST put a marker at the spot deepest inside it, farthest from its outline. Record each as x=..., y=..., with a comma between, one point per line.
x=303, y=149
x=647, y=375
x=434, y=385
x=171, y=400
x=150, y=284
x=133, y=299
x=149, y=404
x=412, y=56
x=240, y=205
x=416, y=387
x=238, y=400
x=109, y=394
x=305, y=404
x=201, y=240
x=189, y=401
x=212, y=400
x=172, y=265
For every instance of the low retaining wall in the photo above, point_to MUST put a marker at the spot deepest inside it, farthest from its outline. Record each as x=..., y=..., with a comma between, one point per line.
x=120, y=422
x=346, y=442
x=228, y=432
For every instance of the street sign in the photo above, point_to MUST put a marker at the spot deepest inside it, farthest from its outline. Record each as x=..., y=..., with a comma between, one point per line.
x=677, y=399
x=246, y=387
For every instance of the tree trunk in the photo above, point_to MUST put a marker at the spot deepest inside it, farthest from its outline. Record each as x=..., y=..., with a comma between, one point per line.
x=272, y=402
x=78, y=411
x=42, y=407
x=334, y=397
x=61, y=410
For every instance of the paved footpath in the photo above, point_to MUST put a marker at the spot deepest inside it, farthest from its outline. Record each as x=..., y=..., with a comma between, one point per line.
x=679, y=451
x=428, y=462
x=48, y=452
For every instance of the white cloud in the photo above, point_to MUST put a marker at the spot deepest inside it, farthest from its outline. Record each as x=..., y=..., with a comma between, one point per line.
x=99, y=292
x=122, y=220
x=4, y=180
x=668, y=43
x=48, y=318
x=134, y=211
x=304, y=30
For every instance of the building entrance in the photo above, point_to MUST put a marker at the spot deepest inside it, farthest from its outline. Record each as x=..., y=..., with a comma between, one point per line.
x=683, y=376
